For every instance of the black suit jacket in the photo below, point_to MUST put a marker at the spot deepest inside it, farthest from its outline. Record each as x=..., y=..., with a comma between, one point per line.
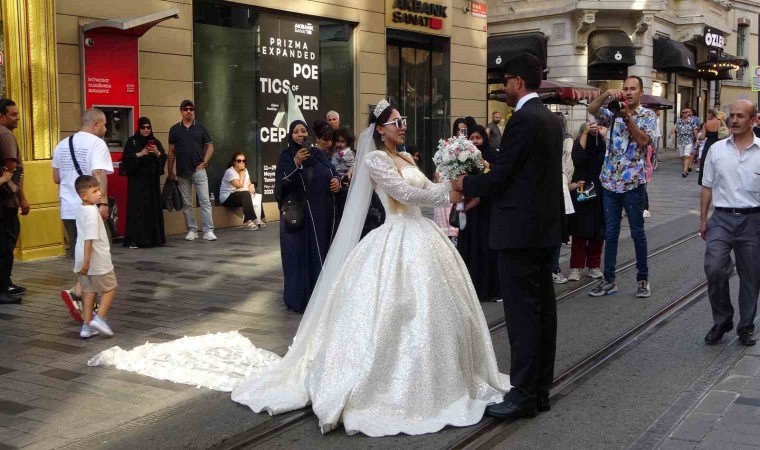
x=756, y=130
x=525, y=182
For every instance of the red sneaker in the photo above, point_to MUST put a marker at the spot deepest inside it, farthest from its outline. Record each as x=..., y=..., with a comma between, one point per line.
x=73, y=304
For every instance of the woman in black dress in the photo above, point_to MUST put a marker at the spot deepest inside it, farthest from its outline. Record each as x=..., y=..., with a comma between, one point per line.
x=143, y=163
x=586, y=226
x=481, y=261
x=305, y=176
x=710, y=134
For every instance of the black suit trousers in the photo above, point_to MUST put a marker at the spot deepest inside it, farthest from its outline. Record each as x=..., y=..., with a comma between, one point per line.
x=9, y=230
x=530, y=309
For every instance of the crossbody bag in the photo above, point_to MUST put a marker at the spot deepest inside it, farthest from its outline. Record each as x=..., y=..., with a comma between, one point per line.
x=112, y=209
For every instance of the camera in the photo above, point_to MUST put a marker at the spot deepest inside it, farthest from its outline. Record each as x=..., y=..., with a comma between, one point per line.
x=90, y=42
x=614, y=106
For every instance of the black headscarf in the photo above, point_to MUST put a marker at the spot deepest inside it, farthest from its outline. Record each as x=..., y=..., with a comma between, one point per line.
x=481, y=131
x=292, y=145
x=140, y=140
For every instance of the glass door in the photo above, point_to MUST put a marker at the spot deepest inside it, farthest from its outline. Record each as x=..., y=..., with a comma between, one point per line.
x=418, y=84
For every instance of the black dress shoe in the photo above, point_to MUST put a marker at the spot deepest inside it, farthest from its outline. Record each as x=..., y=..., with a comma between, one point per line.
x=7, y=299
x=16, y=290
x=543, y=404
x=745, y=337
x=716, y=334
x=508, y=410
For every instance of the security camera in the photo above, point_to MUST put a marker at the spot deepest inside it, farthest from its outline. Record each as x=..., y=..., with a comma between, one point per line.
x=90, y=42
x=466, y=8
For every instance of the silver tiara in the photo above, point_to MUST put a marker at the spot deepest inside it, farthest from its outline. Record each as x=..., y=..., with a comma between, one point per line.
x=381, y=105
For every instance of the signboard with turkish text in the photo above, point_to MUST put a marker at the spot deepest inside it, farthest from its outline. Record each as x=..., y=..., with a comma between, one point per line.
x=111, y=73
x=479, y=10
x=288, y=85
x=431, y=17
x=714, y=38
x=756, y=78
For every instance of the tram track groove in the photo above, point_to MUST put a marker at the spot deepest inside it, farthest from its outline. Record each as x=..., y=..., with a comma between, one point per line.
x=489, y=427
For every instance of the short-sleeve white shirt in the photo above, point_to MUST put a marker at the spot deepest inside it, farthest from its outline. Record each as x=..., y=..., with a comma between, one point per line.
x=90, y=227
x=227, y=188
x=734, y=179
x=92, y=154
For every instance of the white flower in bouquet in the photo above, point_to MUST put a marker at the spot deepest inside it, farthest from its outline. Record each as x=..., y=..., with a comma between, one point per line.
x=457, y=156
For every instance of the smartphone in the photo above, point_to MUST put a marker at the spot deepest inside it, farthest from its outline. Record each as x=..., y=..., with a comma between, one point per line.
x=151, y=142
x=308, y=142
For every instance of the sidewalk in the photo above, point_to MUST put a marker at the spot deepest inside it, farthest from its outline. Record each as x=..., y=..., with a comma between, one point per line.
x=49, y=397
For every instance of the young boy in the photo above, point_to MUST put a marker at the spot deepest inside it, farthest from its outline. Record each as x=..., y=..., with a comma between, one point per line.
x=92, y=258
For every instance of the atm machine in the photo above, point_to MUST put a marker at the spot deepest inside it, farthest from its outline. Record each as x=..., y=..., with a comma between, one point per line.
x=111, y=83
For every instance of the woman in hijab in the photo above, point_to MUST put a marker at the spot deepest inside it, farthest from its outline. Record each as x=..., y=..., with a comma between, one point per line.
x=481, y=261
x=305, y=179
x=143, y=163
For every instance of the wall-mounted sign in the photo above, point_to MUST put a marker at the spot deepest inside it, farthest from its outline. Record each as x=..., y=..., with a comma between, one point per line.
x=431, y=17
x=288, y=85
x=756, y=78
x=714, y=38
x=479, y=10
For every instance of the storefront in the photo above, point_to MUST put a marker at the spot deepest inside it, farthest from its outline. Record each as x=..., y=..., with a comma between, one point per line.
x=428, y=57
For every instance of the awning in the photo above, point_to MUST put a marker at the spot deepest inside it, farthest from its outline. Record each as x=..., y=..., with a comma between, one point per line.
x=502, y=49
x=672, y=56
x=651, y=101
x=134, y=26
x=610, y=48
x=721, y=67
x=557, y=92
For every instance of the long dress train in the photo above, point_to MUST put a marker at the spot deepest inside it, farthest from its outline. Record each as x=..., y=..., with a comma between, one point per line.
x=401, y=344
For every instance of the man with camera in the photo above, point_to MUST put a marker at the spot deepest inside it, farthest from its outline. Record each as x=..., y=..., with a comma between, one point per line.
x=624, y=177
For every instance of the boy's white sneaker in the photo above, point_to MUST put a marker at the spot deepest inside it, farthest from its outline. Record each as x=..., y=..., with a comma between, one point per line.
x=100, y=325
x=574, y=275
x=87, y=332
x=191, y=236
x=209, y=236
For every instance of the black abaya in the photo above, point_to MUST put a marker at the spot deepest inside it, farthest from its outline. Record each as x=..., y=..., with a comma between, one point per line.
x=145, y=217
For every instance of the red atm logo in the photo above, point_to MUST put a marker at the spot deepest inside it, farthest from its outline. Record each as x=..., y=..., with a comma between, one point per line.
x=415, y=12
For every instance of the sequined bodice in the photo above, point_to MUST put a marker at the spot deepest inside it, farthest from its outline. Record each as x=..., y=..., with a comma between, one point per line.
x=403, y=190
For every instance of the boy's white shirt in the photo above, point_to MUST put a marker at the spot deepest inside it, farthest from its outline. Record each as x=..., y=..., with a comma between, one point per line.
x=90, y=226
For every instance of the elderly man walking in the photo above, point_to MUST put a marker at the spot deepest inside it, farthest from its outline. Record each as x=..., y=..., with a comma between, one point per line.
x=731, y=183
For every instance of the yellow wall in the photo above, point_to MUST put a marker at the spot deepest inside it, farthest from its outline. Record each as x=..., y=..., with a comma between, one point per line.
x=51, y=38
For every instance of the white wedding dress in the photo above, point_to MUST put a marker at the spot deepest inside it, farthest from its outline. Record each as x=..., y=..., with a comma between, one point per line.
x=399, y=345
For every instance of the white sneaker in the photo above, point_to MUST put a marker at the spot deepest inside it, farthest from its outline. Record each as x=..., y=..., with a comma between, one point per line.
x=595, y=273
x=87, y=332
x=100, y=325
x=191, y=236
x=558, y=278
x=647, y=214
x=209, y=236
x=574, y=275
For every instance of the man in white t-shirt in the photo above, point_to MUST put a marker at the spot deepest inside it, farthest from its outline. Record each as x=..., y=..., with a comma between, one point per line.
x=94, y=159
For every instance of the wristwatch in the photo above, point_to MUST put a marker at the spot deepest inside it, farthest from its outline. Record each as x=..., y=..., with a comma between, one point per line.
x=626, y=119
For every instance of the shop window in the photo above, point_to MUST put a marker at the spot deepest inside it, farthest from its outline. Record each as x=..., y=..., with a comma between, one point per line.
x=228, y=98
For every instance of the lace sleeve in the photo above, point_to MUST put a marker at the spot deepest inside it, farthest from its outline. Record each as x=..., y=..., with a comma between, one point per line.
x=386, y=177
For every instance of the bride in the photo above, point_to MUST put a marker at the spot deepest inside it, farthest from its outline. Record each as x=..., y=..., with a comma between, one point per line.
x=381, y=348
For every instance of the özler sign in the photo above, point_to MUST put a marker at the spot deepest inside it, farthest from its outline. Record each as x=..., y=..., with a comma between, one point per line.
x=431, y=17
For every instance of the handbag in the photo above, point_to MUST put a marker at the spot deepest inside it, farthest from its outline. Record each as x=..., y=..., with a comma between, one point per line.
x=722, y=130
x=292, y=215
x=112, y=209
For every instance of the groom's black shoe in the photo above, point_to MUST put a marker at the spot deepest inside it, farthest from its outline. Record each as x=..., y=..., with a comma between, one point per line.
x=543, y=404
x=716, y=333
x=508, y=410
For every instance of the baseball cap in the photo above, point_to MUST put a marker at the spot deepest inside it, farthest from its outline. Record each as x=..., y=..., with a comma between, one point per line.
x=186, y=103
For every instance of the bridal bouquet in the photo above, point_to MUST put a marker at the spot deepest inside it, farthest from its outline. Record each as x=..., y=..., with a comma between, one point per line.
x=457, y=156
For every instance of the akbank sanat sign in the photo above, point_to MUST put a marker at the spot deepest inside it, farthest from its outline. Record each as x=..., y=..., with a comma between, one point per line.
x=431, y=17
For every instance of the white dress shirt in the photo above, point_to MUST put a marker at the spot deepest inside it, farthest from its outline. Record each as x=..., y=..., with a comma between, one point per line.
x=522, y=101
x=733, y=178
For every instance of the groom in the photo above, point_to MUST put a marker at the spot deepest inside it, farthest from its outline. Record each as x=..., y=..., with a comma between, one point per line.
x=527, y=209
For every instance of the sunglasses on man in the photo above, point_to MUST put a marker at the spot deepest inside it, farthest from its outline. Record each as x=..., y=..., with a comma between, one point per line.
x=188, y=108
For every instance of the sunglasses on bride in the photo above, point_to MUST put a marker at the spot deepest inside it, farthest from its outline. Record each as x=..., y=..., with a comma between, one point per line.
x=400, y=122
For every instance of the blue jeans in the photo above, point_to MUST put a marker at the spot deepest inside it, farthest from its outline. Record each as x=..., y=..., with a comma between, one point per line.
x=555, y=259
x=200, y=181
x=633, y=202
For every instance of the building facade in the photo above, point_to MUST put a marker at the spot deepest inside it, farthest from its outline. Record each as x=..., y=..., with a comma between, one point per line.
x=682, y=50
x=249, y=66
